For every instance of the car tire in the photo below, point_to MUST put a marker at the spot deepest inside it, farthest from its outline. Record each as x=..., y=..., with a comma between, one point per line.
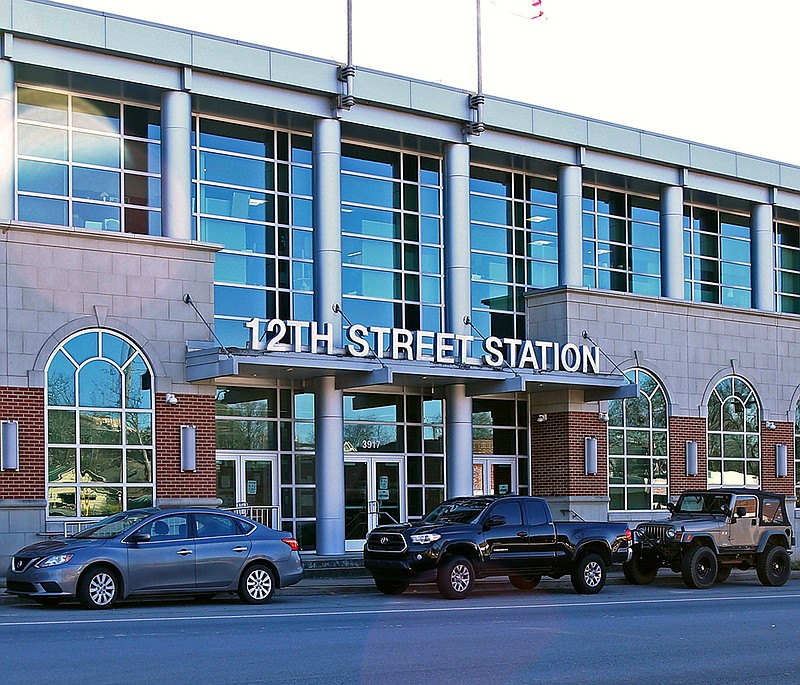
x=48, y=601
x=257, y=585
x=98, y=588
x=773, y=566
x=391, y=587
x=640, y=570
x=723, y=573
x=589, y=574
x=455, y=578
x=699, y=568
x=525, y=582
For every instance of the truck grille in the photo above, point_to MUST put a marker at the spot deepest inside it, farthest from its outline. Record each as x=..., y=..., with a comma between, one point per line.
x=386, y=542
x=655, y=532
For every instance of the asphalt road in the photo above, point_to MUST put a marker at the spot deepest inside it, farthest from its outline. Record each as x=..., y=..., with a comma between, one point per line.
x=737, y=633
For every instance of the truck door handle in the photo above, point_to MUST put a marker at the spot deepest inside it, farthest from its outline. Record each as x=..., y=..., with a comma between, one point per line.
x=184, y=552
x=522, y=534
x=239, y=549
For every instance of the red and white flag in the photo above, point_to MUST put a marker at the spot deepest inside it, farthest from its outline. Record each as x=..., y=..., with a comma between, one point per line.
x=527, y=9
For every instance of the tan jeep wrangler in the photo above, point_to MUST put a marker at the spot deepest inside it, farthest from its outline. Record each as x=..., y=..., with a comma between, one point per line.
x=711, y=532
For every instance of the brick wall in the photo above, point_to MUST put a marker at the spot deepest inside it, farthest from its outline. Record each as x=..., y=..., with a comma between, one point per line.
x=681, y=429
x=198, y=410
x=25, y=405
x=557, y=455
x=783, y=433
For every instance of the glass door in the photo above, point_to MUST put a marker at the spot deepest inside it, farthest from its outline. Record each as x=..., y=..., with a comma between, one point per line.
x=373, y=488
x=249, y=480
x=494, y=476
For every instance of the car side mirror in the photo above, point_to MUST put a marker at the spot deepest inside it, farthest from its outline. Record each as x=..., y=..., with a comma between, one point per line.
x=139, y=537
x=741, y=512
x=494, y=521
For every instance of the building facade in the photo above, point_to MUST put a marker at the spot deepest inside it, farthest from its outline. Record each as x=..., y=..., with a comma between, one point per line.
x=225, y=282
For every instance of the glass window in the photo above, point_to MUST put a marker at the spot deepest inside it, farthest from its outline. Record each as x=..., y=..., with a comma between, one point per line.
x=734, y=454
x=88, y=136
x=621, y=241
x=638, y=464
x=717, y=251
x=99, y=426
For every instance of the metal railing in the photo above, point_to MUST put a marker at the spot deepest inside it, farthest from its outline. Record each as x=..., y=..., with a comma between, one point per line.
x=266, y=515
x=73, y=527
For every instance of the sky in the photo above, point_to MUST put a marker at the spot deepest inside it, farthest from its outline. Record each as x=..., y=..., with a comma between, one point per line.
x=719, y=72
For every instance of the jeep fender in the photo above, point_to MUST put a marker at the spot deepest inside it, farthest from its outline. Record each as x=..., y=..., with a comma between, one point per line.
x=699, y=539
x=775, y=537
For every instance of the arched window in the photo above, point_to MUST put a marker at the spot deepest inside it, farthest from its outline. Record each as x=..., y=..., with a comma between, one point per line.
x=638, y=464
x=797, y=448
x=99, y=416
x=734, y=450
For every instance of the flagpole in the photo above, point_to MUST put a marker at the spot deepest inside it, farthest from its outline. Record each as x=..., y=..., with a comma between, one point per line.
x=347, y=73
x=479, y=50
x=476, y=126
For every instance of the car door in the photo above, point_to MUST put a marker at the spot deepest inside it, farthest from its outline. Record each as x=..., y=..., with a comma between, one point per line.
x=164, y=562
x=541, y=535
x=744, y=530
x=221, y=549
x=507, y=545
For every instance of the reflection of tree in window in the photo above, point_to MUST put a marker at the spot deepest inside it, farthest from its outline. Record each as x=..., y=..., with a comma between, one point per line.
x=94, y=433
x=733, y=434
x=637, y=447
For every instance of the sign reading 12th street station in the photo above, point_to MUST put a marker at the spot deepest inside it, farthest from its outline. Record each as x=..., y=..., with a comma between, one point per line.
x=424, y=346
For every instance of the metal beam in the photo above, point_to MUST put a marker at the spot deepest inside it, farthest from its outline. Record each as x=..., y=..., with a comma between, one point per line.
x=511, y=384
x=621, y=393
x=381, y=376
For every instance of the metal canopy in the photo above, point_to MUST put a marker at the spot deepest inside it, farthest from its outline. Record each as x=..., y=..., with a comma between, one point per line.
x=211, y=363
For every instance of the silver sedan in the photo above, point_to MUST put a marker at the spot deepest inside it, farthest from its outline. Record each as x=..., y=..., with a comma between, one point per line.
x=142, y=552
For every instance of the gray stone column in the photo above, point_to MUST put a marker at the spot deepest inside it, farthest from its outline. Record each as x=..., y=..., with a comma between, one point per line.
x=7, y=136
x=328, y=408
x=329, y=434
x=176, y=166
x=327, y=221
x=762, y=257
x=672, y=276
x=570, y=220
x=457, y=282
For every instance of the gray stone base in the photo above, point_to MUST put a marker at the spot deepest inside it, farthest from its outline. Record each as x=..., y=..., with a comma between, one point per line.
x=21, y=523
x=570, y=508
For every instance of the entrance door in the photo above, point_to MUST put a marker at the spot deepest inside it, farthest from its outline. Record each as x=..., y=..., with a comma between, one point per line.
x=248, y=479
x=494, y=476
x=373, y=489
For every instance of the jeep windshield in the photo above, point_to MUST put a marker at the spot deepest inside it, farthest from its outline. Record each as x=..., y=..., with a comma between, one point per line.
x=458, y=511
x=703, y=503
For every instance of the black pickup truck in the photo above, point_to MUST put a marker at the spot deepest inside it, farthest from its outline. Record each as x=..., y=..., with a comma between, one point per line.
x=474, y=537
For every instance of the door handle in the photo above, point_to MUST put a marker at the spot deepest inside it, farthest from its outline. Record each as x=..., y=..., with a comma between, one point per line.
x=522, y=534
x=184, y=552
x=239, y=549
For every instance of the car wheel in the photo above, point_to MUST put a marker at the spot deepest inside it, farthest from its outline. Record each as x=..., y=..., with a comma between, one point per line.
x=525, y=582
x=699, y=568
x=455, y=578
x=257, y=585
x=589, y=575
x=723, y=573
x=48, y=601
x=391, y=587
x=773, y=566
x=640, y=570
x=98, y=588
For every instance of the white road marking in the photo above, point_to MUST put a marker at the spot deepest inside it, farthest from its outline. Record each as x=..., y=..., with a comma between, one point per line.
x=400, y=610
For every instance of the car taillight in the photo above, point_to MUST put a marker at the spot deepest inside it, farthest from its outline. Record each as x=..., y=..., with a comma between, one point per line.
x=292, y=543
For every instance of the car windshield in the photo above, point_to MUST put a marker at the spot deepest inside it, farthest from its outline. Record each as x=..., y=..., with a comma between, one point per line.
x=703, y=503
x=458, y=511
x=114, y=525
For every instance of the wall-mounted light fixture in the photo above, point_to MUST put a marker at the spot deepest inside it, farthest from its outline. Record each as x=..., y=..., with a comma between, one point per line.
x=603, y=416
x=188, y=448
x=691, y=457
x=590, y=456
x=9, y=445
x=770, y=425
x=541, y=418
x=781, y=461
x=170, y=399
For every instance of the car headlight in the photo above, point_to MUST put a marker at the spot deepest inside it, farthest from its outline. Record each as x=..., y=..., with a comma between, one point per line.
x=671, y=533
x=425, y=538
x=55, y=560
